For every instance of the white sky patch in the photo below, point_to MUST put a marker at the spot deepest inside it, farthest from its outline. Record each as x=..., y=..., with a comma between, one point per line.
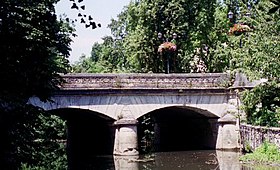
x=101, y=11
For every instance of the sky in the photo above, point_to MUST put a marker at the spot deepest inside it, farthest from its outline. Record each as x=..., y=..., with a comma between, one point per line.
x=102, y=11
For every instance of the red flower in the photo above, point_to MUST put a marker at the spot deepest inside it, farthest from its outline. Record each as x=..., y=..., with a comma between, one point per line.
x=237, y=29
x=169, y=46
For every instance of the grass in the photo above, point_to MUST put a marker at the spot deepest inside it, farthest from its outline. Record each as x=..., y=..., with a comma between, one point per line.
x=267, y=153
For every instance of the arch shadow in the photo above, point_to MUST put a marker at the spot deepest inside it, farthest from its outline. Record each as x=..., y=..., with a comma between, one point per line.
x=89, y=134
x=177, y=128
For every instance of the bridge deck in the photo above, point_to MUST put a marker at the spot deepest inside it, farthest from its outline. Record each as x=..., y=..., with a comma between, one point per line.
x=145, y=81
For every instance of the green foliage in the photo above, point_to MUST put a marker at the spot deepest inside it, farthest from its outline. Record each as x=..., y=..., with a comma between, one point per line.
x=34, y=48
x=267, y=153
x=134, y=45
x=145, y=19
x=262, y=104
x=202, y=28
x=32, y=137
x=147, y=133
x=105, y=58
x=247, y=147
x=86, y=65
x=255, y=53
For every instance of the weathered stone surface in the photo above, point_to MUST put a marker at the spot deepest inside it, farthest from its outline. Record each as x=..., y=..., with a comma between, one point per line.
x=228, y=118
x=242, y=81
x=126, y=142
x=256, y=135
x=125, y=122
x=210, y=105
x=128, y=81
x=126, y=97
x=228, y=137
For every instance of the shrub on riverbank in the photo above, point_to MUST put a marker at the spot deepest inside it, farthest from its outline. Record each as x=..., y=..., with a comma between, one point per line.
x=267, y=153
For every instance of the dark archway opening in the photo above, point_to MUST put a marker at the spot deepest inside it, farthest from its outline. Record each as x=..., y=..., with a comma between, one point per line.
x=90, y=137
x=177, y=129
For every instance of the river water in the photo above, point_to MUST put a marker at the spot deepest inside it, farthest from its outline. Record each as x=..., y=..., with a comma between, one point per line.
x=187, y=160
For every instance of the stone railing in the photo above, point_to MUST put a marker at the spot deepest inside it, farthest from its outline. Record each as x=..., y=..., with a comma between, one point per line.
x=142, y=81
x=256, y=135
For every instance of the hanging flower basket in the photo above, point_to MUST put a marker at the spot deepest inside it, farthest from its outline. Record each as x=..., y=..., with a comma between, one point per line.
x=167, y=46
x=238, y=29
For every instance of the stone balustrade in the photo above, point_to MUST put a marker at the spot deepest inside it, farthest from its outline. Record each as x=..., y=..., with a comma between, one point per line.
x=144, y=81
x=256, y=135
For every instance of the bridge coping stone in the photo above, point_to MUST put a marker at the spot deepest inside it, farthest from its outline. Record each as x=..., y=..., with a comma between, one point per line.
x=143, y=81
x=228, y=118
x=126, y=122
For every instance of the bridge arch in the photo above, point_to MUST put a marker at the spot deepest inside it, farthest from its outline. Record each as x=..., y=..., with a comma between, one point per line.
x=89, y=133
x=197, y=110
x=71, y=103
x=138, y=105
x=179, y=128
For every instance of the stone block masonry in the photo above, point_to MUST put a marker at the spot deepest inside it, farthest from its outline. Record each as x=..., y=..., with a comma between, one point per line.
x=256, y=135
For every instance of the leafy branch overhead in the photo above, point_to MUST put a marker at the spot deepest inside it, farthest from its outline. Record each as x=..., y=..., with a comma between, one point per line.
x=34, y=46
x=83, y=18
x=276, y=7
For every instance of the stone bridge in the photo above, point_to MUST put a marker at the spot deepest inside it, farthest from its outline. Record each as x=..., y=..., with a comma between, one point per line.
x=187, y=111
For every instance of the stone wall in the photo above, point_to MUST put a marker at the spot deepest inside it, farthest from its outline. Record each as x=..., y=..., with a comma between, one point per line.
x=256, y=135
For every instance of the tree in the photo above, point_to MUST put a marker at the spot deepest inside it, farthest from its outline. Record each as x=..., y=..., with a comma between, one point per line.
x=201, y=28
x=257, y=54
x=262, y=105
x=34, y=48
x=106, y=57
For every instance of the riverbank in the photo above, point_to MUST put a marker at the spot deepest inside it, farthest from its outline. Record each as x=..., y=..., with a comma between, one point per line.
x=266, y=154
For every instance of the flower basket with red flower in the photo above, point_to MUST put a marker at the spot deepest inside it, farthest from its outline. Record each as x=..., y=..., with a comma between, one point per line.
x=238, y=29
x=167, y=46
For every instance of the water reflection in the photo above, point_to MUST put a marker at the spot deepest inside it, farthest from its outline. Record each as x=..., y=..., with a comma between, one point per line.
x=228, y=160
x=182, y=160
x=171, y=160
x=126, y=162
x=187, y=160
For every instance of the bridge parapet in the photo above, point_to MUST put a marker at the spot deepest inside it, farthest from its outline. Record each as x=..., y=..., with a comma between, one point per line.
x=144, y=81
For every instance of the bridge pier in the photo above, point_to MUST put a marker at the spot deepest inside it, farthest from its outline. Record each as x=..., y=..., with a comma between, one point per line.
x=228, y=133
x=126, y=142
